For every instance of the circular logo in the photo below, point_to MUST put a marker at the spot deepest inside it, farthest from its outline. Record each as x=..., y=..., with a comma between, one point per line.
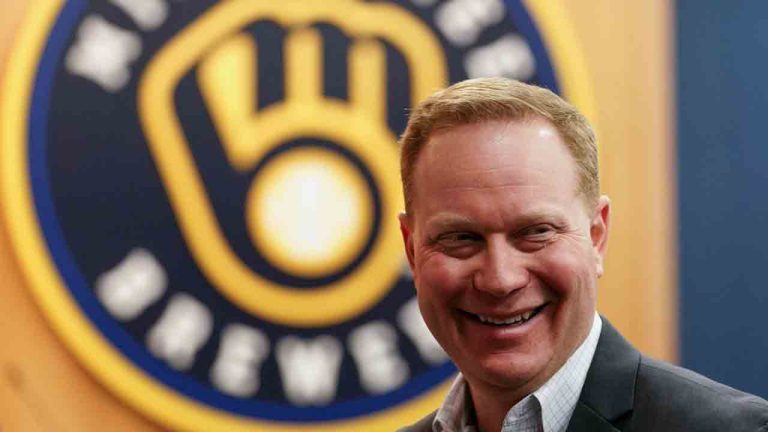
x=203, y=195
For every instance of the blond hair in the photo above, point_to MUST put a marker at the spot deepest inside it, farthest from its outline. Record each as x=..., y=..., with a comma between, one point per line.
x=488, y=99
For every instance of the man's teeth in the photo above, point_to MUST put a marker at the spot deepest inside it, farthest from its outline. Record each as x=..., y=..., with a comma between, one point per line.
x=513, y=320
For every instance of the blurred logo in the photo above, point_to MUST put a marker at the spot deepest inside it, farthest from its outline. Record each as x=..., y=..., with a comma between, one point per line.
x=203, y=196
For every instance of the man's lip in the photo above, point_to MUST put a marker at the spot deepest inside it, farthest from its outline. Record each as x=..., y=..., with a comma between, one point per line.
x=496, y=315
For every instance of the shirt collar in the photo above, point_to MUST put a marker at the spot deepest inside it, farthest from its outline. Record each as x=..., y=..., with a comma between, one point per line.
x=560, y=394
x=556, y=399
x=454, y=413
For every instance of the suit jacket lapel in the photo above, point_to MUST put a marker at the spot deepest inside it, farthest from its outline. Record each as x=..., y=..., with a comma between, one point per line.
x=609, y=390
x=586, y=420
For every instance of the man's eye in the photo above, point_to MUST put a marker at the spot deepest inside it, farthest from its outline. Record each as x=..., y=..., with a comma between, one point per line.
x=457, y=238
x=458, y=244
x=538, y=232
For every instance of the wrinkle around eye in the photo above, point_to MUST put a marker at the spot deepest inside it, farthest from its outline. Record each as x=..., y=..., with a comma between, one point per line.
x=537, y=237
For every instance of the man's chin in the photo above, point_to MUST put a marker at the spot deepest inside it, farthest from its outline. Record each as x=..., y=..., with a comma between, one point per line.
x=508, y=371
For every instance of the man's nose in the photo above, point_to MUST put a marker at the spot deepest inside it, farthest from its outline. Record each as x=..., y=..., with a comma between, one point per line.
x=503, y=270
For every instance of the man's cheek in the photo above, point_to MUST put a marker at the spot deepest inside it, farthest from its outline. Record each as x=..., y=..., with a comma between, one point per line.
x=564, y=272
x=442, y=277
x=431, y=312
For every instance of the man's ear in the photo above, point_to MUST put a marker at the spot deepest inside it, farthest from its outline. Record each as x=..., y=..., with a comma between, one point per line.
x=598, y=231
x=407, y=232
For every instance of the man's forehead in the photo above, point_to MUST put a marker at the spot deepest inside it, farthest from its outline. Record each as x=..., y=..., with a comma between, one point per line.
x=488, y=146
x=489, y=139
x=526, y=157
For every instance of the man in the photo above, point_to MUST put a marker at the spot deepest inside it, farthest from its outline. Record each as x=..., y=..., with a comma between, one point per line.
x=505, y=231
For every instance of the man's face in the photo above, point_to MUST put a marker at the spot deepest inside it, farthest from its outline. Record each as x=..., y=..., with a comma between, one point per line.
x=504, y=253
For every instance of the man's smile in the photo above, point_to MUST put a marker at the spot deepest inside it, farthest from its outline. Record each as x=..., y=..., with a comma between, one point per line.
x=506, y=320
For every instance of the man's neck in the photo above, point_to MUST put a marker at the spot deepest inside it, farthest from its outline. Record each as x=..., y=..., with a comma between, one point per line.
x=491, y=406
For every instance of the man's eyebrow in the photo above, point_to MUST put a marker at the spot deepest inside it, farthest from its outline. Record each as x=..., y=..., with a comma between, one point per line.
x=542, y=215
x=449, y=220
x=443, y=221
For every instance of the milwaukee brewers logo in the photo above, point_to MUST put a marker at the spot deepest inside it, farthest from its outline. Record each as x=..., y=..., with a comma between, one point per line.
x=203, y=196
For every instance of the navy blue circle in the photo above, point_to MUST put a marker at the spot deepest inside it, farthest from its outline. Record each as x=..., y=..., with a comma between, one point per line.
x=72, y=270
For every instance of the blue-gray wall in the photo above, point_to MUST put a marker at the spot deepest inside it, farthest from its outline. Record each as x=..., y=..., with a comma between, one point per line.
x=722, y=79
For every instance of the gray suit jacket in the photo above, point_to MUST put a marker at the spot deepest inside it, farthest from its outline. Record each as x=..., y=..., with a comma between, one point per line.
x=626, y=391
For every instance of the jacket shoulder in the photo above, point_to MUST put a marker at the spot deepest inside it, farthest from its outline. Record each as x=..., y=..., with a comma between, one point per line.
x=671, y=398
x=423, y=425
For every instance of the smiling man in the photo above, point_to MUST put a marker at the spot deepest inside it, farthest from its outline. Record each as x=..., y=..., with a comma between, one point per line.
x=505, y=231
